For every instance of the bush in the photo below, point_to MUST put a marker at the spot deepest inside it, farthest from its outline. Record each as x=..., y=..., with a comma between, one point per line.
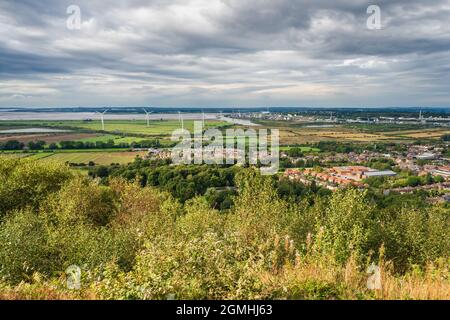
x=414, y=236
x=24, y=246
x=27, y=183
x=82, y=201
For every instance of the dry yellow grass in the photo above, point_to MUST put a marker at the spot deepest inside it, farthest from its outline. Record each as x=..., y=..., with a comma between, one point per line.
x=351, y=282
x=425, y=133
x=339, y=133
x=311, y=276
x=306, y=135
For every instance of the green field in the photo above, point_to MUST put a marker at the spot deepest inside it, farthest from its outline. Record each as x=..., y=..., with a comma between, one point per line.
x=156, y=128
x=120, y=131
x=128, y=131
x=116, y=138
x=33, y=156
x=99, y=156
x=39, y=156
x=303, y=149
x=100, y=138
x=102, y=158
x=11, y=155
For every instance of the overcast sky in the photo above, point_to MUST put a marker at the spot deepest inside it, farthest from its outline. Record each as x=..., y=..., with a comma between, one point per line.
x=224, y=53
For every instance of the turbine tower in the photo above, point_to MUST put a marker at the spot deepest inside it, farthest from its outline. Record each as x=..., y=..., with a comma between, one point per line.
x=102, y=118
x=147, y=117
x=180, y=118
x=422, y=118
x=203, y=119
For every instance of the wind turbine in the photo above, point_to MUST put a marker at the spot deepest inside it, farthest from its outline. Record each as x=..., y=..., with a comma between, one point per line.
x=147, y=117
x=102, y=118
x=180, y=118
x=422, y=118
x=203, y=119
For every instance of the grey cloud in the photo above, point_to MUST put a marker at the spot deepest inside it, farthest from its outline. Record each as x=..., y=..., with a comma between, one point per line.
x=222, y=52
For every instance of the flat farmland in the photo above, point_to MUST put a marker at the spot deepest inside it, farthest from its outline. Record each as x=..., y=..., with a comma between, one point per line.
x=48, y=137
x=298, y=133
x=288, y=137
x=302, y=149
x=156, y=128
x=116, y=138
x=311, y=135
x=351, y=136
x=295, y=135
x=102, y=158
x=11, y=155
x=433, y=133
x=31, y=155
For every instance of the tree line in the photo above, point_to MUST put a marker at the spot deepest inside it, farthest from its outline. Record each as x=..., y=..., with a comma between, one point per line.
x=67, y=145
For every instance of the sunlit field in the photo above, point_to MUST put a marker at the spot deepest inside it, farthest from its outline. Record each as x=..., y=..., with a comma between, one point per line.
x=101, y=158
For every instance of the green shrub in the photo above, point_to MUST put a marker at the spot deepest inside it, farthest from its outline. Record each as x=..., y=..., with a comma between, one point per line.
x=27, y=183
x=24, y=246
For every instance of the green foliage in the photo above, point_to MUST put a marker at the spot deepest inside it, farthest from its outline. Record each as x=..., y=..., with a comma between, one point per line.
x=348, y=225
x=295, y=152
x=27, y=183
x=414, y=181
x=416, y=236
x=381, y=164
x=221, y=199
x=11, y=145
x=199, y=219
x=259, y=212
x=315, y=290
x=81, y=201
x=36, y=145
x=24, y=246
x=183, y=182
x=377, y=182
x=278, y=240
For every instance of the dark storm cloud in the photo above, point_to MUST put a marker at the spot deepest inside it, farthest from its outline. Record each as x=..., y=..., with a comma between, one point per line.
x=277, y=52
x=16, y=63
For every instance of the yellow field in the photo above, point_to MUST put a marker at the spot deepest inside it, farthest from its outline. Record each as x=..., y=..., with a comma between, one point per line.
x=425, y=133
x=312, y=135
x=305, y=135
x=102, y=158
x=352, y=136
x=13, y=155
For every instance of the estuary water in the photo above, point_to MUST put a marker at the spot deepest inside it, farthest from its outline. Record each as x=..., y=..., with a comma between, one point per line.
x=6, y=115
